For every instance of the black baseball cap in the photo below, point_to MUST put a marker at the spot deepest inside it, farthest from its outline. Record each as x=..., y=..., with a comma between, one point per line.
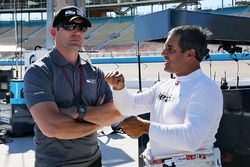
x=67, y=14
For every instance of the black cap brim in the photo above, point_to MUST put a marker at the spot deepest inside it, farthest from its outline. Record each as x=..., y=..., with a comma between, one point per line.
x=85, y=20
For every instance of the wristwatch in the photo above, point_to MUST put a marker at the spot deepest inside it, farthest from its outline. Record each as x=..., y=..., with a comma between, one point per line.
x=81, y=112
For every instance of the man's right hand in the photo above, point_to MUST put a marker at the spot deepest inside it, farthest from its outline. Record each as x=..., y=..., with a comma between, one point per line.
x=135, y=126
x=115, y=79
x=70, y=112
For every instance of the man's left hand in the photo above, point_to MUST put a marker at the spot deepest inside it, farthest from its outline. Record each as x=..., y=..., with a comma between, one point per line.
x=135, y=126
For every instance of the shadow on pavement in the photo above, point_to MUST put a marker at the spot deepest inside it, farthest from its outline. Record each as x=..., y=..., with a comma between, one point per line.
x=111, y=154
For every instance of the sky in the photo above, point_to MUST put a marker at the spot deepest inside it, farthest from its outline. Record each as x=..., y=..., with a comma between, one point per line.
x=215, y=3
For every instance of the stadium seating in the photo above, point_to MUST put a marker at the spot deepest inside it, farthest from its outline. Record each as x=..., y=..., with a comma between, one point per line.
x=105, y=35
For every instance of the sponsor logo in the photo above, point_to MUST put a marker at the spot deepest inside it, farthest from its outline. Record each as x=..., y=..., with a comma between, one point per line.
x=167, y=98
x=91, y=81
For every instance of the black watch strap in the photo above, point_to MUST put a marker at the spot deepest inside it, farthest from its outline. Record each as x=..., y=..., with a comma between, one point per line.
x=81, y=112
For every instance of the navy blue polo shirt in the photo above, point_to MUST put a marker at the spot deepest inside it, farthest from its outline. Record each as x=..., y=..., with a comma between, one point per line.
x=45, y=80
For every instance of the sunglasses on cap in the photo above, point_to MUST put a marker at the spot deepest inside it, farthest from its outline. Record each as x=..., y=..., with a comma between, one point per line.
x=71, y=27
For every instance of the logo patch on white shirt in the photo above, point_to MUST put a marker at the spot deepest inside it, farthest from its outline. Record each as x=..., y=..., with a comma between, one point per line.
x=167, y=98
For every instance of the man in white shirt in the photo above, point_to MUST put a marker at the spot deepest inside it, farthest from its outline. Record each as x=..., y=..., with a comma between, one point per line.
x=184, y=112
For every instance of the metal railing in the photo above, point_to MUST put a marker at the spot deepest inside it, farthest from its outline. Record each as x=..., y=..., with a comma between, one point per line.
x=31, y=4
x=23, y=5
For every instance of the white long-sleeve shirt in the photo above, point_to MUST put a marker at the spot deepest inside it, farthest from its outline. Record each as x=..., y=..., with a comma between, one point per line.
x=184, y=112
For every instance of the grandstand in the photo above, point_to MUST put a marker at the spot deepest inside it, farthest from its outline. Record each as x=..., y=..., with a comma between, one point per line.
x=235, y=10
x=108, y=34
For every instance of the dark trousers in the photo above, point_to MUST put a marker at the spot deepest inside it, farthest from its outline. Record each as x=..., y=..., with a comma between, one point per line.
x=97, y=163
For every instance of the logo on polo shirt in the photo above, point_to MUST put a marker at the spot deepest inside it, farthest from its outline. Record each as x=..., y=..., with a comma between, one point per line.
x=91, y=81
x=37, y=93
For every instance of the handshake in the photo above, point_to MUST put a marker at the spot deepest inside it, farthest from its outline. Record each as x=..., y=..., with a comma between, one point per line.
x=134, y=126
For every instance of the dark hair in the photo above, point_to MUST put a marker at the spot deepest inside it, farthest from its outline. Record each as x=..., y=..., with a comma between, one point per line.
x=192, y=37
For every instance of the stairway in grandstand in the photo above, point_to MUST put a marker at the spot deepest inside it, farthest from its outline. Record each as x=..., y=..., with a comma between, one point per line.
x=110, y=30
x=236, y=10
x=116, y=36
x=25, y=33
x=103, y=29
